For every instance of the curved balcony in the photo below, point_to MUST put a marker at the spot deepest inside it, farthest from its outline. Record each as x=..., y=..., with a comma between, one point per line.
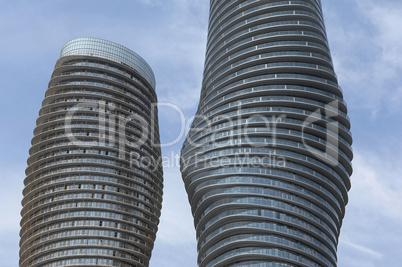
x=270, y=93
x=85, y=201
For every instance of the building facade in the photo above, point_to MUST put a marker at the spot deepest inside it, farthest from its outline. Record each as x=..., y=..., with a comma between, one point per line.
x=93, y=189
x=267, y=162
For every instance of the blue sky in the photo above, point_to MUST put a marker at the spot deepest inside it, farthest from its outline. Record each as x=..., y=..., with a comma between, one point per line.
x=365, y=40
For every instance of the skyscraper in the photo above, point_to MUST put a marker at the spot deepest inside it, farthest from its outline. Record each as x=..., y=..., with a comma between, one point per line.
x=93, y=188
x=267, y=162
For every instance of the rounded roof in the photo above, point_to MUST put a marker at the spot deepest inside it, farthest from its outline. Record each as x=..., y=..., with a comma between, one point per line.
x=108, y=50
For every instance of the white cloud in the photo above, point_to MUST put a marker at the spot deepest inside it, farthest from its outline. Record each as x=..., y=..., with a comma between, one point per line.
x=10, y=207
x=370, y=235
x=386, y=19
x=367, y=54
x=11, y=196
x=367, y=251
x=171, y=37
x=376, y=182
x=176, y=225
x=176, y=240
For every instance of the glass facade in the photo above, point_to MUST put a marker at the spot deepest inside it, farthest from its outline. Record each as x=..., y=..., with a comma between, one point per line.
x=267, y=162
x=109, y=50
x=93, y=189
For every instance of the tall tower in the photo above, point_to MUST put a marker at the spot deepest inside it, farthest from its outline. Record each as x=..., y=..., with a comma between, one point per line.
x=93, y=189
x=267, y=162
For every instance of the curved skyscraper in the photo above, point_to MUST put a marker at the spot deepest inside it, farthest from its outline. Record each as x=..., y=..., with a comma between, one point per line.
x=267, y=162
x=93, y=189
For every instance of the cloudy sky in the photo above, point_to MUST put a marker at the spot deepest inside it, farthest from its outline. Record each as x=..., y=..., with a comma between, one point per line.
x=365, y=40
